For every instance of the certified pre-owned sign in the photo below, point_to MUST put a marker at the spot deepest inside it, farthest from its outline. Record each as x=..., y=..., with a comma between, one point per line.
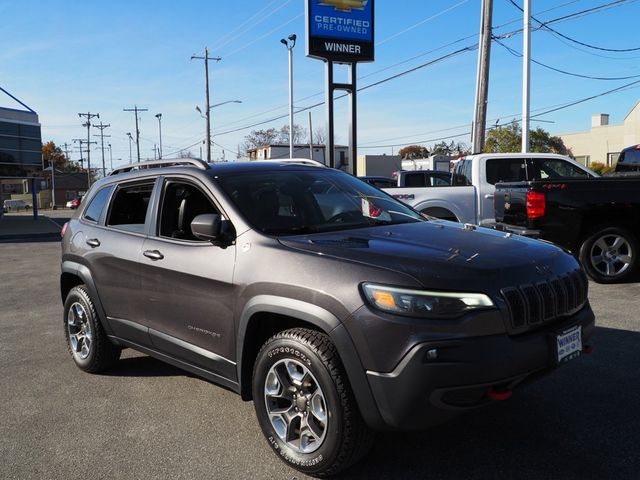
x=340, y=30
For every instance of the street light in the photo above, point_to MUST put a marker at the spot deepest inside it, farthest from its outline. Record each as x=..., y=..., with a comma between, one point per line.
x=290, y=43
x=110, y=156
x=208, y=115
x=130, y=140
x=159, y=117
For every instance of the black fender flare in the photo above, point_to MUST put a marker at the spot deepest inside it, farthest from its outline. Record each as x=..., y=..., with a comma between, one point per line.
x=84, y=274
x=329, y=324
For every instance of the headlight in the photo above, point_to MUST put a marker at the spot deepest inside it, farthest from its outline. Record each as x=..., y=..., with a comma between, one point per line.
x=421, y=303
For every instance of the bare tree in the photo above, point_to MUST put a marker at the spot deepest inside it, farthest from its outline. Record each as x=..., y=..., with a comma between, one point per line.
x=320, y=136
x=299, y=134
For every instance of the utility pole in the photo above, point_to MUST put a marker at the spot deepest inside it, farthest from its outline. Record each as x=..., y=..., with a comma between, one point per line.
x=482, y=80
x=87, y=124
x=310, y=138
x=526, y=73
x=102, y=135
x=135, y=109
x=82, y=142
x=206, y=59
x=66, y=151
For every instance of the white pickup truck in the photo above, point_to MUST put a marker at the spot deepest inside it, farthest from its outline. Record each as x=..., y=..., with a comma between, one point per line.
x=470, y=197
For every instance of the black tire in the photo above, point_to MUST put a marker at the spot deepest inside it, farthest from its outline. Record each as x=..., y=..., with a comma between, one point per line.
x=345, y=438
x=87, y=341
x=609, y=254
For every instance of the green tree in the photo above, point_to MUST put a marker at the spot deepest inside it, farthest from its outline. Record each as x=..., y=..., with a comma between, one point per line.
x=508, y=139
x=414, y=151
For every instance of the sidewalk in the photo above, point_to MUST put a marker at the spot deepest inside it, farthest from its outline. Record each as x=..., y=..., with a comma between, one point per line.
x=24, y=227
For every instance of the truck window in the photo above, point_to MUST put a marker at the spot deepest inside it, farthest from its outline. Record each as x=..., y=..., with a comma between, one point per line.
x=414, y=179
x=506, y=170
x=543, y=168
x=462, y=173
x=631, y=156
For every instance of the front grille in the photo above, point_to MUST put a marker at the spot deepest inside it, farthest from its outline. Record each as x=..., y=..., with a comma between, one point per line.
x=531, y=305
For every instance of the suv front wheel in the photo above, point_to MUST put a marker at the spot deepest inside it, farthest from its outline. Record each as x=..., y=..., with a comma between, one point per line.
x=87, y=341
x=305, y=406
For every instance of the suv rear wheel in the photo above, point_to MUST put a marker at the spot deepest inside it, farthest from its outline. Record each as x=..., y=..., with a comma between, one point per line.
x=87, y=341
x=305, y=406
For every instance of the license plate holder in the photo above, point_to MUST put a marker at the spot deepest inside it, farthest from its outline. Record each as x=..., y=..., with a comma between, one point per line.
x=569, y=344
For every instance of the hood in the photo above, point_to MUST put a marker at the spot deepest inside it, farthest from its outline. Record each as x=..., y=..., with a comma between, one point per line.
x=440, y=254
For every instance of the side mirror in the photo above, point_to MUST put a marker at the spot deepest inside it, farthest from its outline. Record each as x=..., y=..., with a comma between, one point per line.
x=207, y=226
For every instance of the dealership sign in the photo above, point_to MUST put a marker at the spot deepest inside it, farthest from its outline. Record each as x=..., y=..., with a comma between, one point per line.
x=340, y=30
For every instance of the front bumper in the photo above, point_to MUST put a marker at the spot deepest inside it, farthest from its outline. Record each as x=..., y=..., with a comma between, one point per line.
x=423, y=391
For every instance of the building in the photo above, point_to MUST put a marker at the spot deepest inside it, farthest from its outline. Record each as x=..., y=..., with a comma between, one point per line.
x=281, y=151
x=20, y=143
x=604, y=141
x=379, y=165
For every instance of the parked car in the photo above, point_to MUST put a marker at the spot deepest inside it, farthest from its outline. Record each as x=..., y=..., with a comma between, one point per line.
x=15, y=205
x=629, y=160
x=411, y=179
x=380, y=182
x=74, y=203
x=334, y=307
x=597, y=219
x=470, y=198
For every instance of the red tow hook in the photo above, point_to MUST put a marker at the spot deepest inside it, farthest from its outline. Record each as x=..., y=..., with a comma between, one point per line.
x=587, y=349
x=500, y=394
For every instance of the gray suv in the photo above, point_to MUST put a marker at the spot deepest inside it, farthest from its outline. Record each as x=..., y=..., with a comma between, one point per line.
x=337, y=309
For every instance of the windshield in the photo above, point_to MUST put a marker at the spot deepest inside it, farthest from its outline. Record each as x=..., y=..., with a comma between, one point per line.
x=290, y=202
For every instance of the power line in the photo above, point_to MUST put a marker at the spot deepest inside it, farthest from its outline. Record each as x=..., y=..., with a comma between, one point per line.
x=422, y=54
x=516, y=53
x=595, y=47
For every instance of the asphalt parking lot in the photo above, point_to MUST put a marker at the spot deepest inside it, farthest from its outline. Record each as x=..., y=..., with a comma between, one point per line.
x=147, y=420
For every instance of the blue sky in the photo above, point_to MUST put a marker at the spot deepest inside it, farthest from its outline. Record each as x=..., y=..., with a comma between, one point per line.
x=64, y=57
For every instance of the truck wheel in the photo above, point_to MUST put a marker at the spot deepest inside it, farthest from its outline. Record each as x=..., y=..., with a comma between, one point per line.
x=87, y=341
x=609, y=255
x=305, y=405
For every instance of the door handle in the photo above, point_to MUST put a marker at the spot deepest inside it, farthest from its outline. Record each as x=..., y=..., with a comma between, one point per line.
x=93, y=242
x=153, y=254
x=488, y=196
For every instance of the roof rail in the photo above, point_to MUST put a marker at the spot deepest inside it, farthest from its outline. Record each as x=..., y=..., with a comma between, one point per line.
x=298, y=161
x=169, y=162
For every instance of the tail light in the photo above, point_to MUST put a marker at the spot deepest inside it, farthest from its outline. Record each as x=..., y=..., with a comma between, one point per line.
x=536, y=204
x=64, y=229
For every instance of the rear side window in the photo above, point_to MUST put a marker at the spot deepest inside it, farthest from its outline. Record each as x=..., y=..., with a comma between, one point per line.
x=415, y=180
x=129, y=207
x=506, y=170
x=95, y=208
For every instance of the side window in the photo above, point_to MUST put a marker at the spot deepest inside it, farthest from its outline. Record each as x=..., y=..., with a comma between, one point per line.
x=462, y=173
x=544, y=168
x=440, y=180
x=181, y=203
x=95, y=208
x=506, y=170
x=414, y=180
x=631, y=156
x=129, y=207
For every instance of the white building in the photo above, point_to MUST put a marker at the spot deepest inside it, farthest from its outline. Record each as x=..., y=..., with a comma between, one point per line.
x=604, y=141
x=280, y=151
